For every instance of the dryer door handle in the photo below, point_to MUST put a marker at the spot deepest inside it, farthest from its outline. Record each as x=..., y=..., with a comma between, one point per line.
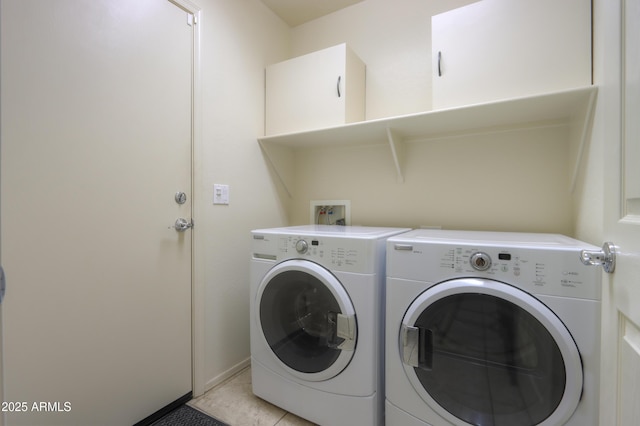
x=416, y=347
x=409, y=338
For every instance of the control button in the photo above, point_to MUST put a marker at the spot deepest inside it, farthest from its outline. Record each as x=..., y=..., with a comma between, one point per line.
x=302, y=246
x=480, y=261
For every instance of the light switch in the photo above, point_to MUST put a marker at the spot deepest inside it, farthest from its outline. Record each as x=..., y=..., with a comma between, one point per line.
x=220, y=194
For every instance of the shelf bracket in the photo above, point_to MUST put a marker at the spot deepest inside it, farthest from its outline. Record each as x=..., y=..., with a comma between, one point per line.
x=397, y=151
x=586, y=121
x=280, y=158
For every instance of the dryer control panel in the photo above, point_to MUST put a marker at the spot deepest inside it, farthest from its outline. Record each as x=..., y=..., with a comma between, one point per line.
x=551, y=269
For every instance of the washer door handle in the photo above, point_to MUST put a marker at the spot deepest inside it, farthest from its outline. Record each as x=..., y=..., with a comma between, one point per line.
x=344, y=328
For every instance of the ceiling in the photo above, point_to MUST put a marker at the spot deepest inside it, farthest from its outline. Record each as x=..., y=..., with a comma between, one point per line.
x=296, y=12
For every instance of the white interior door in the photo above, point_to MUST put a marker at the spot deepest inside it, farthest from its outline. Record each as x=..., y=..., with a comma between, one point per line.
x=619, y=109
x=95, y=143
x=1, y=363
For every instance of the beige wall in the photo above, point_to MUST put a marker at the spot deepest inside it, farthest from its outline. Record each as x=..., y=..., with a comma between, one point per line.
x=514, y=180
x=588, y=197
x=589, y=193
x=239, y=38
x=393, y=38
x=502, y=180
x=527, y=181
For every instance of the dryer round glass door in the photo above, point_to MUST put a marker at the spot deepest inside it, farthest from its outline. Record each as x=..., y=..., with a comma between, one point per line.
x=307, y=319
x=482, y=352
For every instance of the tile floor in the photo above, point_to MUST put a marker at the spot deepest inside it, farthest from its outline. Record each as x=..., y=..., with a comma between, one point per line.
x=233, y=403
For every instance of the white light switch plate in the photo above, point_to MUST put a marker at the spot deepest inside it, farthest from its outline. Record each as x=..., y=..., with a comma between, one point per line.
x=220, y=194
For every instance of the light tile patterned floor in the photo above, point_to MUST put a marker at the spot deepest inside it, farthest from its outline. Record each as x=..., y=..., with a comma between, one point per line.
x=234, y=403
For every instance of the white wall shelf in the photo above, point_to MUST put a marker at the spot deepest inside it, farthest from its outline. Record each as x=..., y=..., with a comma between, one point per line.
x=572, y=106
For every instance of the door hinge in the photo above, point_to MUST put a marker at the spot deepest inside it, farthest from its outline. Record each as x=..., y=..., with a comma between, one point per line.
x=3, y=284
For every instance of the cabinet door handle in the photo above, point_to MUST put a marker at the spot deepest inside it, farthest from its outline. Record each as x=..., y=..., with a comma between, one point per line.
x=439, y=64
x=338, y=85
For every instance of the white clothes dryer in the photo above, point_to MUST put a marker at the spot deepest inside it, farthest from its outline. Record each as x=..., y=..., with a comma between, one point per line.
x=316, y=321
x=489, y=328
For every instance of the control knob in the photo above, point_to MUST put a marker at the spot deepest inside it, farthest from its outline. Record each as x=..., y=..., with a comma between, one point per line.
x=302, y=246
x=480, y=261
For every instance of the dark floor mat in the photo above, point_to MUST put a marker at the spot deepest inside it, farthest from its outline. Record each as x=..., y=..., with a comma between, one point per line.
x=187, y=416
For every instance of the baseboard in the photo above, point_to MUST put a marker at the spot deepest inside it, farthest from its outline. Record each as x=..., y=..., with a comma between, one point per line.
x=226, y=375
x=164, y=410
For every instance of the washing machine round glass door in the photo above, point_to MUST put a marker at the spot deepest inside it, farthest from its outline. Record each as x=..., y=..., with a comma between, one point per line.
x=482, y=352
x=307, y=319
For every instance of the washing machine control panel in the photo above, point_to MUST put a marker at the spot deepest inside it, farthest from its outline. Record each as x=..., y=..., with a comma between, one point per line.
x=338, y=254
x=480, y=261
x=302, y=246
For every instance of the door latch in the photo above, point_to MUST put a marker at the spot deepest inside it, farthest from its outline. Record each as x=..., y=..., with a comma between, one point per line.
x=182, y=224
x=605, y=257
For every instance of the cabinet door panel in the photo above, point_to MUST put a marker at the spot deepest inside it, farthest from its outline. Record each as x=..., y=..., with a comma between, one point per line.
x=500, y=49
x=321, y=89
x=302, y=92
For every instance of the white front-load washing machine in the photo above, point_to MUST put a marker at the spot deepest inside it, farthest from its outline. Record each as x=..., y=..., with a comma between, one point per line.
x=316, y=321
x=490, y=328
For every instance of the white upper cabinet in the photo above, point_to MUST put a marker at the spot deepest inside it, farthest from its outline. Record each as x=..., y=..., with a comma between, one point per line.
x=501, y=49
x=318, y=90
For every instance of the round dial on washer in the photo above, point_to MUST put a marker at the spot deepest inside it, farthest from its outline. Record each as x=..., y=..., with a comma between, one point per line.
x=302, y=246
x=480, y=261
